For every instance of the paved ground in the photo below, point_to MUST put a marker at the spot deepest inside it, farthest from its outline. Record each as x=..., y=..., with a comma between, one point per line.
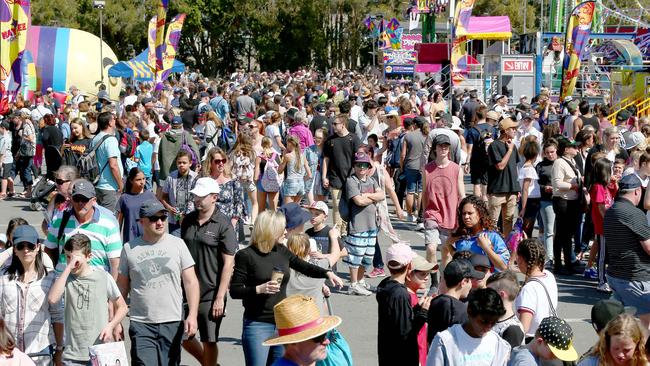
x=359, y=314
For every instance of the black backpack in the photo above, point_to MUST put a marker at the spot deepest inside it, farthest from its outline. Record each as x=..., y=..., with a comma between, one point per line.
x=479, y=151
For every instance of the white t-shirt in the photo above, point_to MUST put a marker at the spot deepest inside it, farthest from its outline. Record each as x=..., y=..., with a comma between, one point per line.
x=466, y=350
x=528, y=172
x=272, y=131
x=532, y=298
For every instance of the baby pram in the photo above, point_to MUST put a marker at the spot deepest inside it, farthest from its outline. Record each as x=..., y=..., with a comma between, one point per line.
x=40, y=193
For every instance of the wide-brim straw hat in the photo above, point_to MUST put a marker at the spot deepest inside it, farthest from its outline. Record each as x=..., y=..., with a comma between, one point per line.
x=298, y=319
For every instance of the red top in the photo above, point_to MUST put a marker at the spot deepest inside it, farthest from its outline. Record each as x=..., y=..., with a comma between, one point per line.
x=601, y=195
x=441, y=191
x=422, y=334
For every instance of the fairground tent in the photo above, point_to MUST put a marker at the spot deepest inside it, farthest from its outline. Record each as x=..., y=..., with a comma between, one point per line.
x=138, y=69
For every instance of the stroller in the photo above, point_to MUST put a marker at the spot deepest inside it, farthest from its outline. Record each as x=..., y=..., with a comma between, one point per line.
x=40, y=193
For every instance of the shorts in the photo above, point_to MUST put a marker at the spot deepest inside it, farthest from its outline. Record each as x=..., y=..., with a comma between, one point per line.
x=361, y=248
x=293, y=187
x=434, y=234
x=478, y=177
x=631, y=293
x=413, y=180
x=155, y=344
x=6, y=170
x=249, y=186
x=208, y=326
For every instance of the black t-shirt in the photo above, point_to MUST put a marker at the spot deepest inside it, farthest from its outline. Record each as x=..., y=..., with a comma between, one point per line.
x=506, y=180
x=207, y=244
x=322, y=239
x=52, y=136
x=320, y=122
x=445, y=311
x=545, y=173
x=591, y=121
x=190, y=118
x=340, y=151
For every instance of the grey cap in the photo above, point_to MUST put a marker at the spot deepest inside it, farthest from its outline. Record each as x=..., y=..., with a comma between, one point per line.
x=151, y=207
x=84, y=188
x=25, y=233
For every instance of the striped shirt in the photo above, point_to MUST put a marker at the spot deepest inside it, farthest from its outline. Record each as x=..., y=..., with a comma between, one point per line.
x=102, y=230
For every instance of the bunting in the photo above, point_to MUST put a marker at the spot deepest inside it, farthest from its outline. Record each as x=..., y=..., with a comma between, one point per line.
x=15, y=18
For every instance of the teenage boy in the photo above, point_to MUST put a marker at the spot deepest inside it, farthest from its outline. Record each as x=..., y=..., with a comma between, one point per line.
x=398, y=322
x=363, y=194
x=474, y=340
x=86, y=289
x=508, y=327
x=553, y=341
x=447, y=309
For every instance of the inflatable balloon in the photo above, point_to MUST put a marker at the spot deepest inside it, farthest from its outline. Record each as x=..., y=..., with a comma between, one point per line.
x=63, y=57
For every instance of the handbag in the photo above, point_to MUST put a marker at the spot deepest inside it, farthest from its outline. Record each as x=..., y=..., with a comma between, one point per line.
x=113, y=353
x=583, y=196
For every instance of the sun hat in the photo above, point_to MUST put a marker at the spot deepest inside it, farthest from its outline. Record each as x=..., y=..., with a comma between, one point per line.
x=399, y=253
x=456, y=124
x=507, y=123
x=558, y=335
x=294, y=215
x=298, y=319
x=493, y=115
x=205, y=186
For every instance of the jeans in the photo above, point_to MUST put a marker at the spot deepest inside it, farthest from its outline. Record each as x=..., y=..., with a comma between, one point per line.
x=566, y=222
x=548, y=219
x=25, y=165
x=253, y=334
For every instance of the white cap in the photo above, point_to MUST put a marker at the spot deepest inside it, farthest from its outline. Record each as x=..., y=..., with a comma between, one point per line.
x=318, y=205
x=456, y=124
x=205, y=186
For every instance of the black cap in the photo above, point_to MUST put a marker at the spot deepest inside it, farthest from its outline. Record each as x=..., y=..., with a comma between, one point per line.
x=629, y=182
x=605, y=310
x=151, y=207
x=479, y=260
x=458, y=269
x=442, y=139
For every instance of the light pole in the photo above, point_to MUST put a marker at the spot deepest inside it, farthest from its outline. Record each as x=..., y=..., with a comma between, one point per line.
x=100, y=5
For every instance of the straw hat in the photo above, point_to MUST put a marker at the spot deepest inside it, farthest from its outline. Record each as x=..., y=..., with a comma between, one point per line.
x=298, y=319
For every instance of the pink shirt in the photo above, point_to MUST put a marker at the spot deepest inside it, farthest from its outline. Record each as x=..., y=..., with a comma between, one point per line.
x=601, y=195
x=441, y=192
x=303, y=134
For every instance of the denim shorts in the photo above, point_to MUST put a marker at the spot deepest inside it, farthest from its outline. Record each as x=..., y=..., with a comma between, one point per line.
x=293, y=187
x=413, y=180
x=631, y=293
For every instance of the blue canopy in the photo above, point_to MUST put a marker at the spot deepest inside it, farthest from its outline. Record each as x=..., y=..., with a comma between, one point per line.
x=138, y=68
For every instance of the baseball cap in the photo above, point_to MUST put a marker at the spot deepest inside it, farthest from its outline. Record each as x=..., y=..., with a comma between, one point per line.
x=83, y=188
x=419, y=263
x=629, y=182
x=320, y=108
x=25, y=233
x=499, y=96
x=525, y=115
x=507, y=123
x=151, y=207
x=633, y=139
x=605, y=310
x=204, y=95
x=49, y=89
x=205, y=186
x=458, y=269
x=177, y=120
x=361, y=157
x=456, y=124
x=523, y=96
x=479, y=260
x=318, y=205
x=442, y=139
x=558, y=335
x=493, y=115
x=399, y=253
x=623, y=115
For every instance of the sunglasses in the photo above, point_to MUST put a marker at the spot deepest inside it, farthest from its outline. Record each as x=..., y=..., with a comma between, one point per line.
x=61, y=181
x=321, y=338
x=22, y=245
x=219, y=161
x=362, y=166
x=80, y=199
x=162, y=218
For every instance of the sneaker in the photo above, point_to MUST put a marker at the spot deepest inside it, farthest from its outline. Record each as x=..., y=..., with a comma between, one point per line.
x=591, y=273
x=357, y=289
x=367, y=286
x=420, y=226
x=376, y=272
x=604, y=288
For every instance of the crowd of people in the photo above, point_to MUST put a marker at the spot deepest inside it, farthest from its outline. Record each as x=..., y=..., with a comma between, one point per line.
x=199, y=188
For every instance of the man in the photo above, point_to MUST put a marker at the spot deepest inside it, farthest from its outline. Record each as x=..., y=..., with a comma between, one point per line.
x=473, y=340
x=586, y=117
x=220, y=106
x=320, y=120
x=110, y=184
x=469, y=107
x=212, y=243
x=478, y=138
x=130, y=97
x=76, y=97
x=503, y=183
x=398, y=322
x=338, y=154
x=245, y=104
x=627, y=244
x=302, y=330
x=170, y=143
x=369, y=120
x=501, y=106
x=152, y=268
x=526, y=128
x=443, y=127
x=86, y=217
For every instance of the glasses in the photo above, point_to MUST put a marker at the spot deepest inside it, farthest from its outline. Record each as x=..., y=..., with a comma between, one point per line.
x=321, y=338
x=80, y=199
x=482, y=269
x=219, y=161
x=61, y=181
x=22, y=245
x=153, y=219
x=362, y=165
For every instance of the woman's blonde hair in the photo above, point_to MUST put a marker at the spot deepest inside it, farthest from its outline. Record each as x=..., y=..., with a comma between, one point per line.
x=298, y=244
x=207, y=163
x=269, y=227
x=267, y=146
x=293, y=140
x=211, y=116
x=623, y=325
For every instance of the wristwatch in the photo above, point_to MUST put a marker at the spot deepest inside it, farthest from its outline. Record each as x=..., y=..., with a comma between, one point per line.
x=59, y=348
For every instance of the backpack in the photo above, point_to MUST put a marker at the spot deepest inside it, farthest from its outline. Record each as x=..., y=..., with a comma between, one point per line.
x=479, y=151
x=226, y=139
x=271, y=179
x=344, y=202
x=395, y=151
x=184, y=146
x=127, y=143
x=88, y=165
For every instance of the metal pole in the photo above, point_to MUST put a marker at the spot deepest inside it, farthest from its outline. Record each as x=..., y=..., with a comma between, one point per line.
x=525, y=13
x=101, y=45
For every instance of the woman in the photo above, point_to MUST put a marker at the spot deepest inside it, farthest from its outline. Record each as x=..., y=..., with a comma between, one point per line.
x=438, y=105
x=79, y=142
x=476, y=233
x=243, y=168
x=529, y=182
x=544, y=173
x=26, y=152
x=128, y=206
x=314, y=156
x=297, y=171
x=621, y=343
x=213, y=125
x=611, y=145
x=567, y=188
x=252, y=282
x=230, y=199
x=272, y=131
x=61, y=199
x=23, y=290
x=52, y=139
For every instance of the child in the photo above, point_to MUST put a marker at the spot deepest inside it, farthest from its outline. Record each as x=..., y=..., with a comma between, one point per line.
x=297, y=170
x=416, y=280
x=538, y=298
x=128, y=206
x=6, y=159
x=448, y=308
x=553, y=341
x=268, y=154
x=603, y=190
x=10, y=355
x=618, y=169
x=528, y=179
x=508, y=327
x=176, y=196
x=620, y=343
x=143, y=155
x=323, y=234
x=86, y=291
x=243, y=168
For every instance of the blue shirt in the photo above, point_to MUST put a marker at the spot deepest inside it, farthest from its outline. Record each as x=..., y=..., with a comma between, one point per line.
x=143, y=152
x=109, y=149
x=498, y=245
x=220, y=107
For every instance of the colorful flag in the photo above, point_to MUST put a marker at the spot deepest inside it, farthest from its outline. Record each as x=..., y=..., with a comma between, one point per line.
x=161, y=16
x=393, y=24
x=172, y=38
x=577, y=37
x=14, y=21
x=459, y=44
x=151, y=43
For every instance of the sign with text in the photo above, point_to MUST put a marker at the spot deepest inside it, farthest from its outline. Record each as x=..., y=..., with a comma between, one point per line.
x=410, y=40
x=512, y=66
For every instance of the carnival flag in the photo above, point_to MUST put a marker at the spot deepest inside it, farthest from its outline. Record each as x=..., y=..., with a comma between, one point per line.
x=459, y=44
x=161, y=14
x=577, y=37
x=172, y=38
x=14, y=21
x=151, y=43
